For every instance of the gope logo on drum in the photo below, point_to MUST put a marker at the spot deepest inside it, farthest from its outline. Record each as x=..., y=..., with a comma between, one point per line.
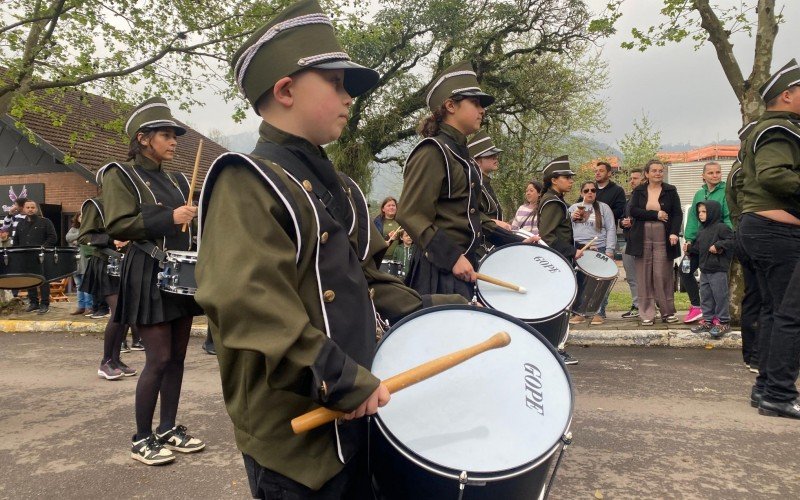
x=534, y=396
x=546, y=264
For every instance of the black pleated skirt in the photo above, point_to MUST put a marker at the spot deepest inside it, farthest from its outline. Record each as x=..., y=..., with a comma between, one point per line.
x=426, y=278
x=141, y=302
x=96, y=280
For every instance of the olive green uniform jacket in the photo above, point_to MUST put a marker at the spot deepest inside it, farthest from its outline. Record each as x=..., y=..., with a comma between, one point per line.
x=93, y=228
x=555, y=226
x=489, y=202
x=440, y=205
x=289, y=293
x=733, y=192
x=771, y=164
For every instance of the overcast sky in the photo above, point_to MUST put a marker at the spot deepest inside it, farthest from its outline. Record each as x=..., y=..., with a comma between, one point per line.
x=684, y=92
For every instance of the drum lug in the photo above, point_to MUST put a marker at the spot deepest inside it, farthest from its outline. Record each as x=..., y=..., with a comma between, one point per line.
x=5, y=257
x=41, y=256
x=462, y=483
x=55, y=256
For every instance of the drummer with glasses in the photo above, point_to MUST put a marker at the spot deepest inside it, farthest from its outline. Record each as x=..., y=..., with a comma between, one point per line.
x=593, y=221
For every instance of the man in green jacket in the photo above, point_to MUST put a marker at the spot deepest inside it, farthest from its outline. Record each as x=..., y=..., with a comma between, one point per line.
x=713, y=189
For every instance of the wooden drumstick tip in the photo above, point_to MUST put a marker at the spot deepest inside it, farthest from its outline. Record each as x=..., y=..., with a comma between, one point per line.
x=522, y=290
x=500, y=339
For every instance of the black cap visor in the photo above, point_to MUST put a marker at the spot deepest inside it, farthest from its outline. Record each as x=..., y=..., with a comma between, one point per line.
x=357, y=78
x=166, y=124
x=485, y=99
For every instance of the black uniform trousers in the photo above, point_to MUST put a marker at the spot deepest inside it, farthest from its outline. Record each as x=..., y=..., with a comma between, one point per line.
x=33, y=294
x=752, y=310
x=774, y=248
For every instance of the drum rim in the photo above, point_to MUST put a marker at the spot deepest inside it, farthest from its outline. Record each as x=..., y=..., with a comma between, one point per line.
x=532, y=320
x=600, y=278
x=39, y=248
x=453, y=473
x=182, y=256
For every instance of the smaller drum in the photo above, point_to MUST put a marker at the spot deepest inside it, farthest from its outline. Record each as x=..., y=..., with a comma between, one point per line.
x=177, y=275
x=547, y=276
x=114, y=266
x=597, y=274
x=392, y=267
x=21, y=267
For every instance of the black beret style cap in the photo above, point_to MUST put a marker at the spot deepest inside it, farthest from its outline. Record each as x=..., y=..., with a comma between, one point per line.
x=559, y=166
x=152, y=113
x=787, y=76
x=482, y=144
x=459, y=79
x=298, y=38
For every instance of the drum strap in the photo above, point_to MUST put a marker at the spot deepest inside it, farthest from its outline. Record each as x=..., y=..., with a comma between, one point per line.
x=152, y=250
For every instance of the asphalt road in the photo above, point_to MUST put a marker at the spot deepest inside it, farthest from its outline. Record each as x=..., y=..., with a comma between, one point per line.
x=649, y=423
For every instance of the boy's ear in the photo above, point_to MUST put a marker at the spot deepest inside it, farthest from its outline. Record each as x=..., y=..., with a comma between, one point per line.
x=282, y=92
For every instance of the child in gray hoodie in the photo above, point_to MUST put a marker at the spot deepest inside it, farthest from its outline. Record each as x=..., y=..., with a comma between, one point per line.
x=714, y=246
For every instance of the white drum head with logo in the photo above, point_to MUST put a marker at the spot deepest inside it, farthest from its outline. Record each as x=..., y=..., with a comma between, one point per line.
x=499, y=411
x=547, y=277
x=598, y=265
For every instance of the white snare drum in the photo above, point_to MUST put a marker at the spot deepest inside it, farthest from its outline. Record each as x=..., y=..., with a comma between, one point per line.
x=177, y=275
x=495, y=421
x=548, y=278
x=598, y=273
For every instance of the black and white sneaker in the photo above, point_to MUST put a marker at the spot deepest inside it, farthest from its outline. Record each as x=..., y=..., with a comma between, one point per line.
x=176, y=439
x=150, y=452
x=567, y=358
x=124, y=347
x=137, y=346
x=633, y=313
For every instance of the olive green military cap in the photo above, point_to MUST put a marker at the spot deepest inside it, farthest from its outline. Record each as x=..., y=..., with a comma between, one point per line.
x=559, y=166
x=152, y=113
x=482, y=144
x=457, y=80
x=787, y=76
x=298, y=38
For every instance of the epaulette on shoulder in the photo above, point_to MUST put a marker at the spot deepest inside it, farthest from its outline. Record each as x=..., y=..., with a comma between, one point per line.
x=788, y=127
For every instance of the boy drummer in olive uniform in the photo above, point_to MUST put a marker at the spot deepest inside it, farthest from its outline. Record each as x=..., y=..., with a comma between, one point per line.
x=288, y=279
x=486, y=155
x=769, y=231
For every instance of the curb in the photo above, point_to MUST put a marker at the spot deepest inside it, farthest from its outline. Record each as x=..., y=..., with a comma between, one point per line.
x=653, y=338
x=593, y=337
x=33, y=326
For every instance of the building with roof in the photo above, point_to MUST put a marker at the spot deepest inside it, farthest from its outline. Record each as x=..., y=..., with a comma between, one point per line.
x=75, y=134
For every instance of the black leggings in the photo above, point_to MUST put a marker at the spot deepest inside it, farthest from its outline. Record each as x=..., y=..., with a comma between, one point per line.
x=114, y=334
x=165, y=350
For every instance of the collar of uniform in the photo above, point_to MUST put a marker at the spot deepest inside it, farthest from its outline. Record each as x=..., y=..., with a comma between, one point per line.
x=453, y=132
x=269, y=133
x=780, y=114
x=555, y=193
x=146, y=163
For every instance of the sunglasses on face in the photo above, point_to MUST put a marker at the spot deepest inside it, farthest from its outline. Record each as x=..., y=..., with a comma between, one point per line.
x=590, y=190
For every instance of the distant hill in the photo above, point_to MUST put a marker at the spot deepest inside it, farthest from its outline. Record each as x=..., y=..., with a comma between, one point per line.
x=242, y=142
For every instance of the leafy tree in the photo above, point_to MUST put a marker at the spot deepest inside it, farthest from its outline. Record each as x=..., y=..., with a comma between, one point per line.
x=702, y=21
x=512, y=44
x=123, y=49
x=640, y=145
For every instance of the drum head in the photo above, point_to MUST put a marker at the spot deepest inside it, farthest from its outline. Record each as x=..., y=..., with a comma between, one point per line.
x=547, y=277
x=20, y=281
x=502, y=410
x=598, y=265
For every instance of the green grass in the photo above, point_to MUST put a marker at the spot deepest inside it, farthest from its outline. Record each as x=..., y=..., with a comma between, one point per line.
x=621, y=301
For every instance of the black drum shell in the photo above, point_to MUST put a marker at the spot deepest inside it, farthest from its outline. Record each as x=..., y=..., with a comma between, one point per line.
x=26, y=267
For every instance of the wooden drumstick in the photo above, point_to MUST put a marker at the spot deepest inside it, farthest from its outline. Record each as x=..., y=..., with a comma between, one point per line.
x=190, y=201
x=504, y=284
x=320, y=416
x=584, y=247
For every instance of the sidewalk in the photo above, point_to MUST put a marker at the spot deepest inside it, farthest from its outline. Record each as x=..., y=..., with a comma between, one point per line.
x=615, y=332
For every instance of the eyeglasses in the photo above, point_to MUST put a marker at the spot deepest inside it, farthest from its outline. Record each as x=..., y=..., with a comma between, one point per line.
x=590, y=190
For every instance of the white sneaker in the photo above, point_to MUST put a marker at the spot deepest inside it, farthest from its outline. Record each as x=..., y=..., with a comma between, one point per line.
x=150, y=452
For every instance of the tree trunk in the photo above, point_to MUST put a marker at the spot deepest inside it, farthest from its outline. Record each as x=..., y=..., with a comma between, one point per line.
x=28, y=60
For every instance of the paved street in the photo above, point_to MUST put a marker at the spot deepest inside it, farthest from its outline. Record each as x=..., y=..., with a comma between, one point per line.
x=649, y=423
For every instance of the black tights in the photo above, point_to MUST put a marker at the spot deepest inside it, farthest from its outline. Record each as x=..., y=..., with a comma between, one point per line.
x=114, y=334
x=165, y=350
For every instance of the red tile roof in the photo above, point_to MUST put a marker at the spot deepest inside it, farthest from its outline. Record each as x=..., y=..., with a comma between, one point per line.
x=91, y=132
x=710, y=152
